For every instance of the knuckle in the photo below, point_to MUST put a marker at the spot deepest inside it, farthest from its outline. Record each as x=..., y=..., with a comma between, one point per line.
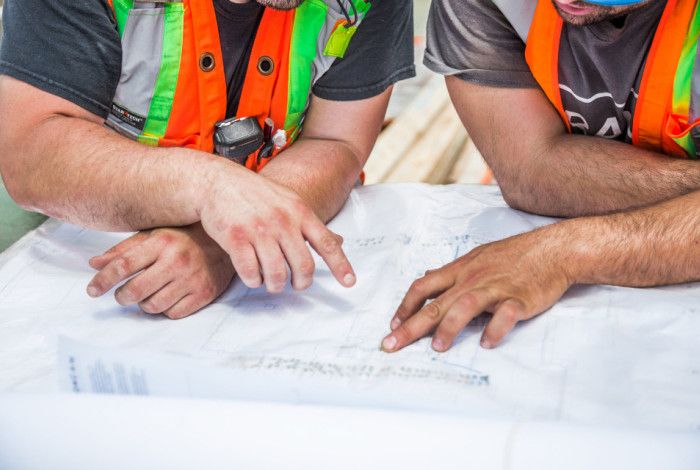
x=512, y=315
x=122, y=267
x=278, y=276
x=238, y=234
x=280, y=217
x=164, y=238
x=182, y=259
x=249, y=272
x=420, y=286
x=467, y=302
x=432, y=310
x=329, y=244
x=259, y=226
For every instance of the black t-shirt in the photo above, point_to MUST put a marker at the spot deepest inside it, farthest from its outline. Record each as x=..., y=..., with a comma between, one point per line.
x=237, y=23
x=600, y=65
x=72, y=49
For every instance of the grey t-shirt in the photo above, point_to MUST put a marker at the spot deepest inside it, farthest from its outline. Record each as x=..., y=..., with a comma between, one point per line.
x=72, y=49
x=600, y=66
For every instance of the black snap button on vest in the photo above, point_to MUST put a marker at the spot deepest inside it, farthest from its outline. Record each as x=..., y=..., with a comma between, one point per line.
x=207, y=62
x=266, y=65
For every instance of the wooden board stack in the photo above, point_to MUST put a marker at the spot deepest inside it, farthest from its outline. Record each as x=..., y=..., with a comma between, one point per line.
x=426, y=143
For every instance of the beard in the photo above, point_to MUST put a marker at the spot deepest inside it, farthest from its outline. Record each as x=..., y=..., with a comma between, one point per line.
x=598, y=13
x=280, y=4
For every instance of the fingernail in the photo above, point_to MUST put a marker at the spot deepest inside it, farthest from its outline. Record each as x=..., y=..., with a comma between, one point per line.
x=389, y=343
x=349, y=279
x=438, y=345
x=395, y=323
x=486, y=344
x=92, y=291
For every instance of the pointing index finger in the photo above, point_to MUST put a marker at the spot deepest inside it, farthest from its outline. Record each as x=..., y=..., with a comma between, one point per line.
x=329, y=246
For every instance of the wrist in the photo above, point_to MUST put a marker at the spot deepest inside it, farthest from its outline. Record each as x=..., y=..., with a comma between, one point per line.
x=205, y=176
x=579, y=249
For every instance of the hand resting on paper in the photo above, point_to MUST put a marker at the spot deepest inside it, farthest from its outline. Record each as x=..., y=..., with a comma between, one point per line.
x=522, y=276
x=173, y=271
x=515, y=279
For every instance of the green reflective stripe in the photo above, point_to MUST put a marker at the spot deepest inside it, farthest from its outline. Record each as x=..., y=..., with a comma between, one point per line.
x=308, y=21
x=121, y=13
x=684, y=72
x=686, y=142
x=164, y=92
x=682, y=85
x=362, y=7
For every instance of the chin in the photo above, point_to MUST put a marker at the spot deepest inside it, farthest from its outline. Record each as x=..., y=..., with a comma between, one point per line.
x=597, y=13
x=280, y=4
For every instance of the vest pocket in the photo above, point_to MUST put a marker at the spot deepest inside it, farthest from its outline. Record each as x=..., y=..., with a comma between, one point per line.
x=142, y=52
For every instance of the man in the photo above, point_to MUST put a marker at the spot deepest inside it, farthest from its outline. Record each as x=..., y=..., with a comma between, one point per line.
x=86, y=84
x=585, y=110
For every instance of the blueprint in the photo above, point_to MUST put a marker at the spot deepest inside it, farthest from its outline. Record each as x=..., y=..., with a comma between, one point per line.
x=603, y=355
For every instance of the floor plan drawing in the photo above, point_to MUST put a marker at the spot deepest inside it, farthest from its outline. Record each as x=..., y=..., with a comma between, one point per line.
x=601, y=348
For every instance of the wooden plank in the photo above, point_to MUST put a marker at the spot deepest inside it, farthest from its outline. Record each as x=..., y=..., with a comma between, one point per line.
x=433, y=156
x=470, y=167
x=399, y=137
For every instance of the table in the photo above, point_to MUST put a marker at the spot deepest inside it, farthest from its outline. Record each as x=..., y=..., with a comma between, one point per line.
x=15, y=222
x=607, y=370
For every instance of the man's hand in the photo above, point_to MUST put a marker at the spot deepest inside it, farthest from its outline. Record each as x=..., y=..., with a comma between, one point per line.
x=170, y=271
x=522, y=276
x=60, y=160
x=515, y=279
x=264, y=226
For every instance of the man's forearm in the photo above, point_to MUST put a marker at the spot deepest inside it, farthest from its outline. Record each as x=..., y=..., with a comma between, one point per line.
x=582, y=175
x=656, y=245
x=81, y=172
x=322, y=172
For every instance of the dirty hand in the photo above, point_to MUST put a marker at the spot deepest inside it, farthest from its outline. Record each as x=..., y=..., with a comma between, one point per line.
x=264, y=227
x=515, y=279
x=176, y=271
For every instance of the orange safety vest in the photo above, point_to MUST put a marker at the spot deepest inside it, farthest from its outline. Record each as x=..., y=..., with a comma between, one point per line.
x=172, y=89
x=662, y=120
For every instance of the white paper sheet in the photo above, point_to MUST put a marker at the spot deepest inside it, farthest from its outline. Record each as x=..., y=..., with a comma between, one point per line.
x=118, y=432
x=603, y=356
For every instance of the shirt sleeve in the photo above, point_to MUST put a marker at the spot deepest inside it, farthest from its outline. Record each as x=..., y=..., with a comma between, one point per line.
x=472, y=40
x=67, y=48
x=380, y=54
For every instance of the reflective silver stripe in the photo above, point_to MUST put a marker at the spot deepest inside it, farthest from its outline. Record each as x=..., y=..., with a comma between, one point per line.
x=519, y=14
x=142, y=51
x=694, y=112
x=123, y=128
